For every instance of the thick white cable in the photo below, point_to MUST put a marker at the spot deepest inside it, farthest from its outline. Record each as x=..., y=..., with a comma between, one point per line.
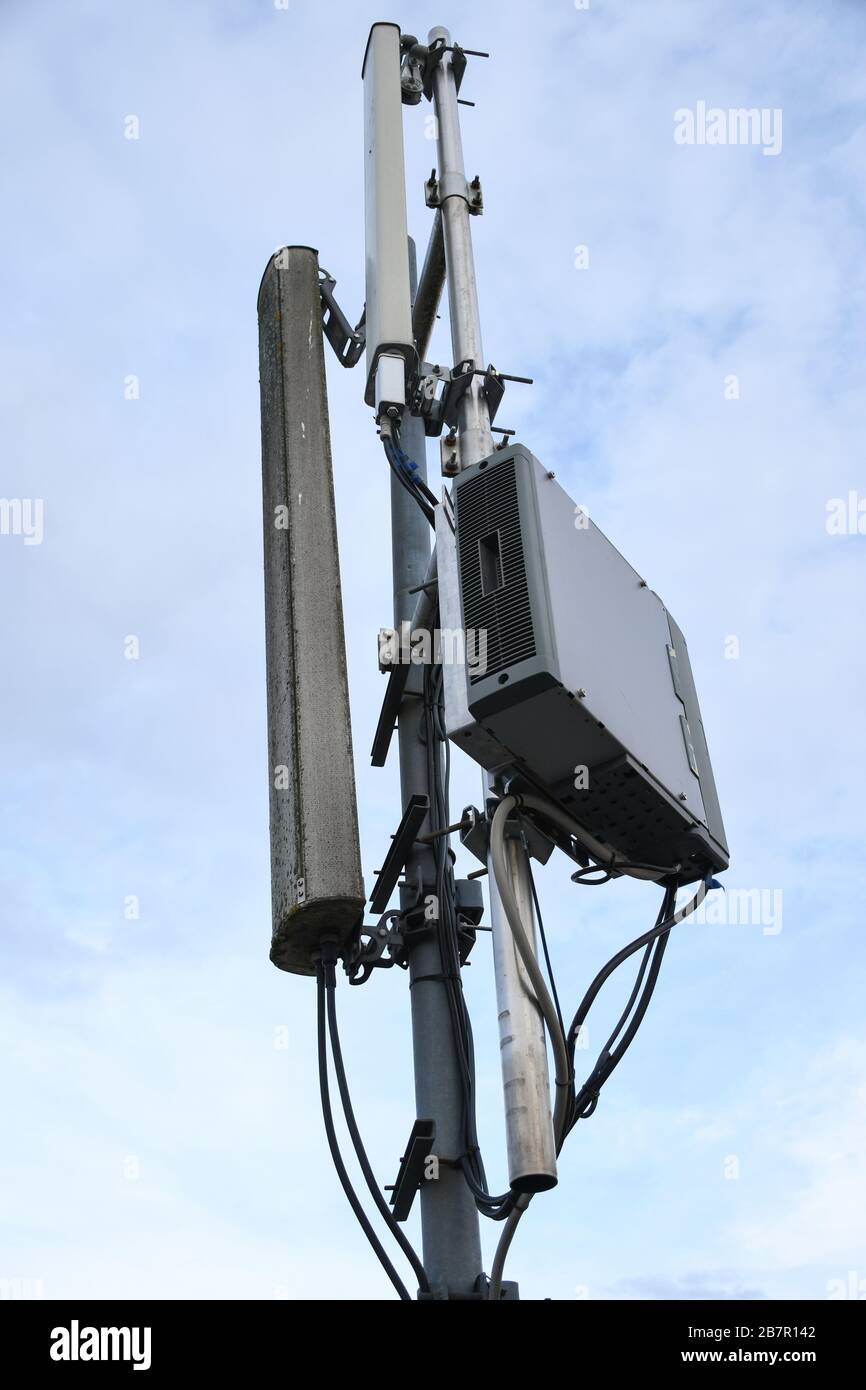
x=504, y=1245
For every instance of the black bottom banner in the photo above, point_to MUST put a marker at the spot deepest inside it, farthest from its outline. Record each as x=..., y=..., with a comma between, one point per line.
x=158, y=1339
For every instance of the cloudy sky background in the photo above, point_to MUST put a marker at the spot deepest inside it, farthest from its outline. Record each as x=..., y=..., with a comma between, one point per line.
x=158, y=1142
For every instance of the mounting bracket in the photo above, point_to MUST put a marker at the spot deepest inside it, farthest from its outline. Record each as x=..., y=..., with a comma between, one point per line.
x=348, y=343
x=407, y=831
x=411, y=1174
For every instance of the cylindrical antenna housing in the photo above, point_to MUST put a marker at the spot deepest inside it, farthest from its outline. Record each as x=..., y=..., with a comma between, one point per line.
x=390, y=343
x=316, y=885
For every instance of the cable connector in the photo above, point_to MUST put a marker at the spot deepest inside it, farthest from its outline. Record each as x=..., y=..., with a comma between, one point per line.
x=326, y=959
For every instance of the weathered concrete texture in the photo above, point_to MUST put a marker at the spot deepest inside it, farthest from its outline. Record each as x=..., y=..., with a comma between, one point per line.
x=316, y=884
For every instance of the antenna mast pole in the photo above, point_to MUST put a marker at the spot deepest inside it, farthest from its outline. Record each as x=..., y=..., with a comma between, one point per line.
x=523, y=1054
x=449, y=1219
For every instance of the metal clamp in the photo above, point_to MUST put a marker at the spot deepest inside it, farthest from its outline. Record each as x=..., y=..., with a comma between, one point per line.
x=475, y=836
x=420, y=61
x=375, y=948
x=493, y=389
x=428, y=396
x=436, y=190
x=437, y=392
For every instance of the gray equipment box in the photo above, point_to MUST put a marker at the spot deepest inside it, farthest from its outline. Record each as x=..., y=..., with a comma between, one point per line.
x=584, y=669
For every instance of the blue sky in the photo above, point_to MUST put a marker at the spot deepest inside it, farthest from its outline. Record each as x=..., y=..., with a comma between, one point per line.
x=159, y=1140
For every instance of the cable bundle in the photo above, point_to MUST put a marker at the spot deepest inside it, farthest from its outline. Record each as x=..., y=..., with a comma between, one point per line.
x=438, y=779
x=408, y=475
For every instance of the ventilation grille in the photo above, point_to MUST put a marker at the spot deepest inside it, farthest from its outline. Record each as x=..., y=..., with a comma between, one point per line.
x=487, y=515
x=623, y=808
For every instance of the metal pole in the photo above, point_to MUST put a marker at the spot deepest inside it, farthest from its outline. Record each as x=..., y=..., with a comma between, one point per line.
x=430, y=286
x=476, y=440
x=529, y=1131
x=529, y=1135
x=449, y=1218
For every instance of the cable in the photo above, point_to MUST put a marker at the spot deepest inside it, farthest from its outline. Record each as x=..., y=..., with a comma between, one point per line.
x=413, y=471
x=586, y=1100
x=660, y=929
x=632, y=997
x=663, y=911
x=617, y=869
x=369, y=1176
x=333, y=1145
x=583, y=1105
x=543, y=935
x=612, y=1058
x=408, y=487
x=494, y=1206
x=405, y=472
x=494, y=1292
x=471, y=1161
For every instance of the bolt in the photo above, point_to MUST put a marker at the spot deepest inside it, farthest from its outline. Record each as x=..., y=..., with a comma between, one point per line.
x=581, y=694
x=682, y=796
x=551, y=475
